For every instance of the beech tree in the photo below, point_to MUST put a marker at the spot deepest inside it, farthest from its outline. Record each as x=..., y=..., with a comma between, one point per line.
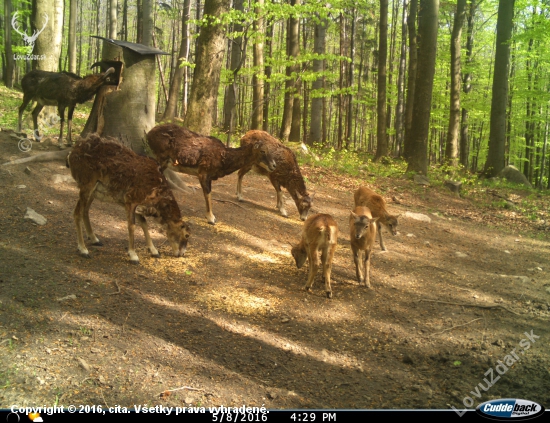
x=497, y=134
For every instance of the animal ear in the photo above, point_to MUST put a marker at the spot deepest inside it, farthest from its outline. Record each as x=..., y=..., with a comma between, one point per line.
x=257, y=145
x=374, y=219
x=353, y=215
x=141, y=210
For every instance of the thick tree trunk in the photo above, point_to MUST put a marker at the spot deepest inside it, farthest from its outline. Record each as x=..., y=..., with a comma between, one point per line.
x=209, y=60
x=497, y=132
x=381, y=137
x=267, y=86
x=319, y=42
x=112, y=19
x=172, y=104
x=427, y=43
x=451, y=149
x=9, y=66
x=48, y=42
x=232, y=89
x=413, y=53
x=72, y=35
x=148, y=26
x=467, y=87
x=257, y=78
x=399, y=108
x=293, y=49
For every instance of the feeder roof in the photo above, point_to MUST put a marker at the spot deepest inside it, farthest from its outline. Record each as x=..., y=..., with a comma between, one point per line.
x=138, y=48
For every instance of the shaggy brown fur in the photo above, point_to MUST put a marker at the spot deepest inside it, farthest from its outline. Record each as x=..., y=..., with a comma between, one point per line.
x=362, y=233
x=206, y=157
x=368, y=198
x=320, y=234
x=108, y=171
x=63, y=89
x=286, y=175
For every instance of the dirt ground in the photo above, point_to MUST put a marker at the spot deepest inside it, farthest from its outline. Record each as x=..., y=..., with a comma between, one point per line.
x=229, y=323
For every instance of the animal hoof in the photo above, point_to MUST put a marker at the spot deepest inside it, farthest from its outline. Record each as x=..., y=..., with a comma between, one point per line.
x=211, y=223
x=134, y=261
x=155, y=255
x=85, y=255
x=98, y=244
x=329, y=294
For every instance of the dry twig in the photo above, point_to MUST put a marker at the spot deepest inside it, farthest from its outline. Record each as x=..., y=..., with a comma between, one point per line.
x=115, y=293
x=471, y=305
x=454, y=327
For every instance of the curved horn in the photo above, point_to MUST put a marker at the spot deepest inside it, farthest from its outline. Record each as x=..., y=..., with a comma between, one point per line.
x=100, y=64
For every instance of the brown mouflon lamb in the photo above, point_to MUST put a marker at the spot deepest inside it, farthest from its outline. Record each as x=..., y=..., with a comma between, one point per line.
x=287, y=173
x=320, y=234
x=61, y=89
x=205, y=157
x=362, y=231
x=109, y=171
x=368, y=198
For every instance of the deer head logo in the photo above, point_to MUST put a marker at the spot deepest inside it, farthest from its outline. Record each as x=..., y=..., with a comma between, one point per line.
x=29, y=40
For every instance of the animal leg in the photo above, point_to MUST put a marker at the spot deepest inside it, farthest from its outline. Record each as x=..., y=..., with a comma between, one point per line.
x=366, y=264
x=313, y=259
x=77, y=214
x=69, y=125
x=35, y=114
x=382, y=246
x=61, y=111
x=280, y=198
x=143, y=223
x=206, y=185
x=86, y=217
x=356, y=259
x=26, y=101
x=243, y=171
x=131, y=213
x=326, y=259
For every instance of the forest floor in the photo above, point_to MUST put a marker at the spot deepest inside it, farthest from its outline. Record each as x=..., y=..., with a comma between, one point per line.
x=457, y=301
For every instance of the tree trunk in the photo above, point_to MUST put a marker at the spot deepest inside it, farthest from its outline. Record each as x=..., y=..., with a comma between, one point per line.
x=172, y=104
x=319, y=42
x=148, y=26
x=257, y=78
x=293, y=49
x=72, y=35
x=350, y=117
x=399, y=109
x=497, y=132
x=467, y=87
x=413, y=54
x=427, y=47
x=267, y=86
x=232, y=89
x=48, y=42
x=112, y=19
x=382, y=139
x=341, y=82
x=451, y=149
x=9, y=66
x=209, y=60
x=125, y=20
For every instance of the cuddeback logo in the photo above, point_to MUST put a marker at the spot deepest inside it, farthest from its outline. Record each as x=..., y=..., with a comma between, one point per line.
x=509, y=408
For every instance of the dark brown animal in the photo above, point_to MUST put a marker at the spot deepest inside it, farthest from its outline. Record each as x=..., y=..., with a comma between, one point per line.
x=108, y=171
x=61, y=89
x=320, y=235
x=205, y=157
x=287, y=173
x=368, y=198
x=362, y=230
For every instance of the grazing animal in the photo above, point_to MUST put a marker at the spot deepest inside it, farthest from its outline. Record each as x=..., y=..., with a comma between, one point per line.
x=320, y=234
x=286, y=174
x=368, y=198
x=109, y=171
x=362, y=233
x=63, y=89
x=205, y=157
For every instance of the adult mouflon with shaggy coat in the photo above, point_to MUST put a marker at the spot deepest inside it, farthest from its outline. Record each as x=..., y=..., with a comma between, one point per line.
x=109, y=171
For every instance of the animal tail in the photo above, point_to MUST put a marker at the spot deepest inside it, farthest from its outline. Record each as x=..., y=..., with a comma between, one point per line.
x=44, y=157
